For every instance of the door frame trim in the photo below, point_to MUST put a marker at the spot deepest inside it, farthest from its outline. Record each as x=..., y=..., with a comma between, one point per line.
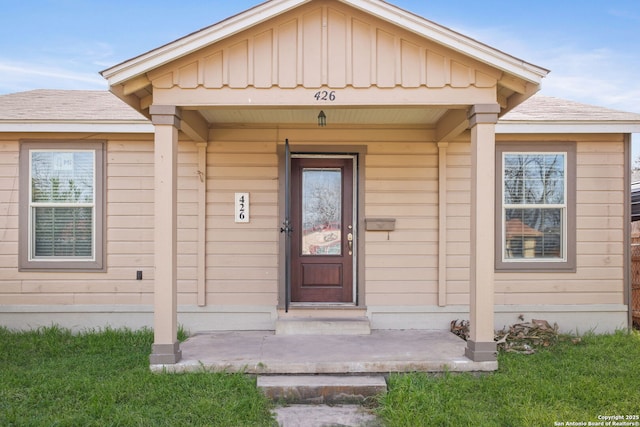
x=358, y=152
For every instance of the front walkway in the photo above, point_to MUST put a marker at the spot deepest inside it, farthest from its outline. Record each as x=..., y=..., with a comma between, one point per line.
x=384, y=351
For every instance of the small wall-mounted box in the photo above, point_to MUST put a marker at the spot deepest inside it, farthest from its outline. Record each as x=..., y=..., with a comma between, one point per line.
x=380, y=224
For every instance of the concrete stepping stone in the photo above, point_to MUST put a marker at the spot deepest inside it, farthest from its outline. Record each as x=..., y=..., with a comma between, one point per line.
x=326, y=416
x=321, y=389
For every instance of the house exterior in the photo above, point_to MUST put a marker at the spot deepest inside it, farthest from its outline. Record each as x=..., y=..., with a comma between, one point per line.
x=331, y=158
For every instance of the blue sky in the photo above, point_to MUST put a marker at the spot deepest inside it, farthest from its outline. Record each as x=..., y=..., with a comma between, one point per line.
x=592, y=47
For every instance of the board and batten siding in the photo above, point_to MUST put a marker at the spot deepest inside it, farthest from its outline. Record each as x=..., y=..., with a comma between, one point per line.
x=324, y=44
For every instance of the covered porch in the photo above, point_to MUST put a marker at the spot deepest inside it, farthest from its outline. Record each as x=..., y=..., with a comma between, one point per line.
x=377, y=78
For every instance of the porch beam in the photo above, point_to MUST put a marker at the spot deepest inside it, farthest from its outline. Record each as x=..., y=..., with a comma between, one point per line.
x=452, y=124
x=513, y=83
x=305, y=97
x=145, y=102
x=194, y=126
x=136, y=84
x=482, y=121
x=166, y=121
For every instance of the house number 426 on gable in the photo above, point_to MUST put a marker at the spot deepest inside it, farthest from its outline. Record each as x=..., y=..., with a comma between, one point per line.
x=325, y=95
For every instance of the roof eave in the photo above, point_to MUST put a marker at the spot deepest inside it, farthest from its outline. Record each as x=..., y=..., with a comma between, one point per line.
x=452, y=39
x=47, y=126
x=197, y=40
x=605, y=126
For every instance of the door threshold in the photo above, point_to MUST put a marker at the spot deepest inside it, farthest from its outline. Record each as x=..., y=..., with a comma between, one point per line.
x=322, y=305
x=337, y=310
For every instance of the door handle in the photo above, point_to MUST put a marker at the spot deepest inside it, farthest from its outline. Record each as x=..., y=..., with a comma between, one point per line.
x=350, y=243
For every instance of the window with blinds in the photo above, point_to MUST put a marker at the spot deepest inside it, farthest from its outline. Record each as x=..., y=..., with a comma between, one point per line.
x=535, y=206
x=62, y=204
x=62, y=184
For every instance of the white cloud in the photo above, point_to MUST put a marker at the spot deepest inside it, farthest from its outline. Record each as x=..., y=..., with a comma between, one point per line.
x=65, y=64
x=19, y=76
x=605, y=77
x=601, y=76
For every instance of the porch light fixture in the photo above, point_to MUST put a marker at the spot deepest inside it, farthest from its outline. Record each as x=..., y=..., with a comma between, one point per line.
x=322, y=119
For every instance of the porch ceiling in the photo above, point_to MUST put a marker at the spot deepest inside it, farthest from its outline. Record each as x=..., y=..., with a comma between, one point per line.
x=405, y=116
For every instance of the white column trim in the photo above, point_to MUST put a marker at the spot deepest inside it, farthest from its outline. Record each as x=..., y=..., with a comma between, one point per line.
x=442, y=223
x=202, y=224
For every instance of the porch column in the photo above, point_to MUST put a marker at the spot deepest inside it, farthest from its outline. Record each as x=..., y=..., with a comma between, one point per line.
x=482, y=119
x=166, y=348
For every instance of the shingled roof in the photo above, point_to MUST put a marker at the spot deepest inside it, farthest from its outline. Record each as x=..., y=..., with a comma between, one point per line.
x=548, y=108
x=66, y=105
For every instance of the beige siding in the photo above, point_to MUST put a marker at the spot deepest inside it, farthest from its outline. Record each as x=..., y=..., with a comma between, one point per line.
x=325, y=43
x=401, y=183
x=242, y=259
x=9, y=153
x=401, y=266
x=599, y=233
x=128, y=222
x=458, y=222
x=129, y=233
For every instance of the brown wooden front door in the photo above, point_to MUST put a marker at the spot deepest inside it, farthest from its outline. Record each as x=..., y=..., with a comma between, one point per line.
x=323, y=239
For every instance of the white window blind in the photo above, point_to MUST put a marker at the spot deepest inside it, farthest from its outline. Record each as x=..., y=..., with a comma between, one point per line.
x=534, y=206
x=62, y=204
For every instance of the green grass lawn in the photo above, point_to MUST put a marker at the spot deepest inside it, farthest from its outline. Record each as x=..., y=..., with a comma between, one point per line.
x=51, y=377
x=563, y=384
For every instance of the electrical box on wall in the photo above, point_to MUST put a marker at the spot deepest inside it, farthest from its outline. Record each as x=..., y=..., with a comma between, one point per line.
x=242, y=207
x=380, y=224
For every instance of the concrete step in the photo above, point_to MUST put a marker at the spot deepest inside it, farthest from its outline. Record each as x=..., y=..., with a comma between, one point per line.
x=321, y=389
x=323, y=326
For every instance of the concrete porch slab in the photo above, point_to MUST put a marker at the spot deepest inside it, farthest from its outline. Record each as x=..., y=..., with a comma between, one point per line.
x=383, y=351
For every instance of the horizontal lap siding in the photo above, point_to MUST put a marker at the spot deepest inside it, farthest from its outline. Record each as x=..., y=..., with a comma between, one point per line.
x=9, y=154
x=242, y=258
x=130, y=244
x=129, y=237
x=402, y=183
x=599, y=275
x=458, y=222
x=129, y=233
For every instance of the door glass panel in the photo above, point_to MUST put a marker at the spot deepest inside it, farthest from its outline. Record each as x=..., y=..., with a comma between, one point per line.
x=321, y=211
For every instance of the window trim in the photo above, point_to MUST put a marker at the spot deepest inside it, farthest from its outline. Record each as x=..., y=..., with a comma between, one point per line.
x=96, y=263
x=569, y=235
